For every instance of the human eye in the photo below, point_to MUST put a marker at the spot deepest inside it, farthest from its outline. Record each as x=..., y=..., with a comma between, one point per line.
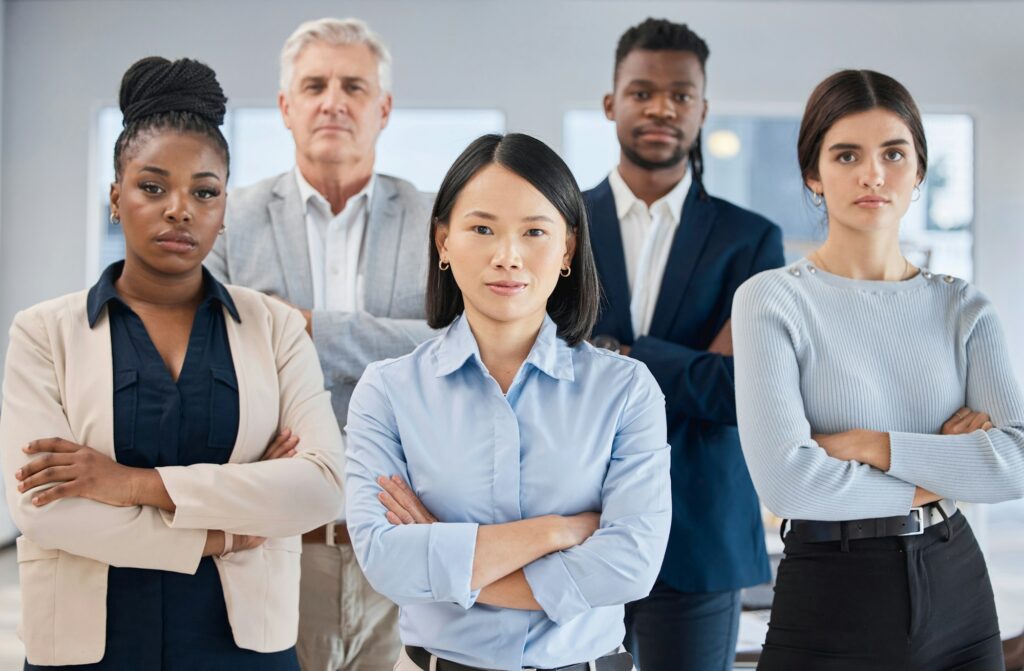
x=683, y=98
x=536, y=232
x=894, y=155
x=355, y=87
x=482, y=230
x=846, y=157
x=313, y=87
x=151, y=188
x=206, y=193
x=640, y=95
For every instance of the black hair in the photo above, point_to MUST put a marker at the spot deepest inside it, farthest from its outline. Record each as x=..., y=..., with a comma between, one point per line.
x=573, y=304
x=849, y=92
x=664, y=35
x=182, y=96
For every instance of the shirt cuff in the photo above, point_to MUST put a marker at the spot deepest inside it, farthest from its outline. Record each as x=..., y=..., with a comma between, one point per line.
x=450, y=551
x=555, y=589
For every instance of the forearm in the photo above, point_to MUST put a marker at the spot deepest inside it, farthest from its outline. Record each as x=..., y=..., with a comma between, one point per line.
x=150, y=491
x=923, y=497
x=502, y=549
x=512, y=591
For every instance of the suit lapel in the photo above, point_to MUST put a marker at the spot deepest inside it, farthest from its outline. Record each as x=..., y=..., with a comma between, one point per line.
x=381, y=247
x=95, y=426
x=697, y=221
x=611, y=262
x=288, y=222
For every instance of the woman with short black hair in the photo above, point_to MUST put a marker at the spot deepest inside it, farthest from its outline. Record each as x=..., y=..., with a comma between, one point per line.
x=508, y=483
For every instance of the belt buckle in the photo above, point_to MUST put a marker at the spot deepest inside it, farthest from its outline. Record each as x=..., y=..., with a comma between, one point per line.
x=920, y=522
x=330, y=538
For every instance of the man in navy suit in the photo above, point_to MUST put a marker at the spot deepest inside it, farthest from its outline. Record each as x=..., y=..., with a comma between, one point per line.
x=670, y=257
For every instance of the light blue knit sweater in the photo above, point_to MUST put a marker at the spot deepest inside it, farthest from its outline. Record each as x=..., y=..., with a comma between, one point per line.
x=820, y=353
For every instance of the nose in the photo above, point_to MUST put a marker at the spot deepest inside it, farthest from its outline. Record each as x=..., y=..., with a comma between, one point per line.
x=506, y=254
x=660, y=107
x=177, y=211
x=334, y=100
x=872, y=175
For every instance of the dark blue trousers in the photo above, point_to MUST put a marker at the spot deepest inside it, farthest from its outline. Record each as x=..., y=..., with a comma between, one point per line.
x=676, y=631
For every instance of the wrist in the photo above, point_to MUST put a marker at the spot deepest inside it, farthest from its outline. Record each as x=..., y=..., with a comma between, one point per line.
x=876, y=451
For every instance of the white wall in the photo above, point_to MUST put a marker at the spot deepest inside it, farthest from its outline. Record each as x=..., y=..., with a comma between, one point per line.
x=532, y=58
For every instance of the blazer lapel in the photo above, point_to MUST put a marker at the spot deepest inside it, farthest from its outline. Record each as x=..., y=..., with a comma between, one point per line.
x=288, y=222
x=696, y=223
x=380, y=250
x=606, y=236
x=91, y=412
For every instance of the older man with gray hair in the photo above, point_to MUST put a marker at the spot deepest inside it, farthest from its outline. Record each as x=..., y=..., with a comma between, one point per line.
x=346, y=246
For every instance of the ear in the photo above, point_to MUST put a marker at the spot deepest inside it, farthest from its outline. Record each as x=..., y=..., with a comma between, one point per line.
x=815, y=185
x=282, y=104
x=385, y=110
x=570, y=249
x=441, y=240
x=115, y=199
x=609, y=106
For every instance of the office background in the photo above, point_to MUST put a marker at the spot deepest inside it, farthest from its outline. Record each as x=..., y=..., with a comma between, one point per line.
x=536, y=66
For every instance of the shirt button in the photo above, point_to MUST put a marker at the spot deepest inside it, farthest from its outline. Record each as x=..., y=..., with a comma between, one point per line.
x=927, y=275
x=948, y=279
x=811, y=269
x=794, y=271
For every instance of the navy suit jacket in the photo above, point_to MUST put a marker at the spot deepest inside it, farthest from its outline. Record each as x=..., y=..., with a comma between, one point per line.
x=717, y=539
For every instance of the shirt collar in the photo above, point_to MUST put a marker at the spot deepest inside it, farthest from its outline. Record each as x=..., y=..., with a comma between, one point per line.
x=625, y=200
x=307, y=193
x=550, y=354
x=103, y=292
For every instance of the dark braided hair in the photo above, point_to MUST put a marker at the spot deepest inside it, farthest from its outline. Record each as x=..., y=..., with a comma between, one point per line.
x=182, y=96
x=663, y=35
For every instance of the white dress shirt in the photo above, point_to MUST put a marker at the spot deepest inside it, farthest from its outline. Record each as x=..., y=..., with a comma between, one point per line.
x=335, y=246
x=647, y=234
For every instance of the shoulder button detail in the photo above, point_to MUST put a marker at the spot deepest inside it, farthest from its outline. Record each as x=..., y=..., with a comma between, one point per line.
x=811, y=269
x=794, y=271
x=948, y=279
x=927, y=275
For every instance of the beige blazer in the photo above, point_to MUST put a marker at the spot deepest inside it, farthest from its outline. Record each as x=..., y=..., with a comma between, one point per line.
x=59, y=383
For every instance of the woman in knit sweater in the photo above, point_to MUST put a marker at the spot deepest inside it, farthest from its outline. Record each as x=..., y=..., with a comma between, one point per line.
x=871, y=395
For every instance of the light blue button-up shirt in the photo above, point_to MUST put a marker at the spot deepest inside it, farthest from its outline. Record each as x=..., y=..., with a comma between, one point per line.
x=581, y=429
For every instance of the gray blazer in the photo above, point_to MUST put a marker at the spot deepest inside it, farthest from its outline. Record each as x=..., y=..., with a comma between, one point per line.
x=264, y=247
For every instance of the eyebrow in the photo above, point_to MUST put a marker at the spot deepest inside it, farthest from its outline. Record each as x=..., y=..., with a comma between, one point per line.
x=843, y=146
x=648, y=82
x=480, y=214
x=166, y=173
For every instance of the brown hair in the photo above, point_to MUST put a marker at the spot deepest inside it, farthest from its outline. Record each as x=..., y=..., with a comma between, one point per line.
x=849, y=92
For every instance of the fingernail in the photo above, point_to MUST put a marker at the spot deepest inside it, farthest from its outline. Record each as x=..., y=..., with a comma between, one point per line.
x=35, y=500
x=17, y=474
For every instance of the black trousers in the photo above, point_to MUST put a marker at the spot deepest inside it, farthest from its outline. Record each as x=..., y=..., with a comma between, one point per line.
x=912, y=603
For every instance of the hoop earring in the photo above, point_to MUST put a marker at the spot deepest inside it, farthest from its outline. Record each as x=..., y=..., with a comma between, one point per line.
x=817, y=199
x=443, y=265
x=916, y=195
x=114, y=220
x=565, y=272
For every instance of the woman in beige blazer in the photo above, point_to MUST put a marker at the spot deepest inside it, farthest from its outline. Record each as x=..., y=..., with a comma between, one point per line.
x=159, y=529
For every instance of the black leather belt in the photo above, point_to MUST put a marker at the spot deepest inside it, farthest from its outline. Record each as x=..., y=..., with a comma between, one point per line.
x=617, y=661
x=913, y=524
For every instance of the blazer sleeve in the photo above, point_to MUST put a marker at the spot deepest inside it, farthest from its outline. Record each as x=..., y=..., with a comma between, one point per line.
x=281, y=497
x=347, y=342
x=696, y=383
x=134, y=536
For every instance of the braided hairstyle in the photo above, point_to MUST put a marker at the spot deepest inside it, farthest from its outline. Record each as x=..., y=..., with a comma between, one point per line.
x=182, y=96
x=663, y=35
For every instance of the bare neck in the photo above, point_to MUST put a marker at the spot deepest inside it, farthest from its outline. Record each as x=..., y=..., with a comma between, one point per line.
x=337, y=182
x=141, y=286
x=862, y=255
x=650, y=185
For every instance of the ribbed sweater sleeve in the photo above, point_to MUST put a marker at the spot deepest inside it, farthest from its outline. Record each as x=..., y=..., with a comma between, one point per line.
x=793, y=476
x=982, y=466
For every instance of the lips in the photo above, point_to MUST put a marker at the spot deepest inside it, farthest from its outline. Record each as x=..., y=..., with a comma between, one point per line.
x=177, y=241
x=658, y=133
x=506, y=287
x=871, y=202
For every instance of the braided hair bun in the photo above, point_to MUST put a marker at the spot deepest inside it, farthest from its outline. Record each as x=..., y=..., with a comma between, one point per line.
x=182, y=96
x=154, y=85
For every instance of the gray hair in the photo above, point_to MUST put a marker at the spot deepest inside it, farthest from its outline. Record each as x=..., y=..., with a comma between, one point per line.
x=334, y=32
